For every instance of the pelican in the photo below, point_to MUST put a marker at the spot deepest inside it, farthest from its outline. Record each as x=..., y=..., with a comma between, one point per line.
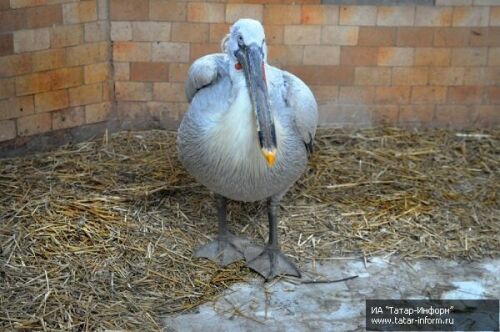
x=246, y=136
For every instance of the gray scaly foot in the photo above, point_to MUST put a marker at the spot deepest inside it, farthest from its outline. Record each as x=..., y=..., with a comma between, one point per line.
x=270, y=262
x=224, y=250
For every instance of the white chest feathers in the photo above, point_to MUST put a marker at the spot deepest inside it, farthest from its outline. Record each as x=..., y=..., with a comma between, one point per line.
x=233, y=140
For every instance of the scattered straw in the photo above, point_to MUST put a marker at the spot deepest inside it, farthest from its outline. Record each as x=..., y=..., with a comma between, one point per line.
x=99, y=235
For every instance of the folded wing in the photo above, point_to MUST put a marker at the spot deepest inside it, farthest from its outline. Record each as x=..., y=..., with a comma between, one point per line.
x=300, y=99
x=204, y=72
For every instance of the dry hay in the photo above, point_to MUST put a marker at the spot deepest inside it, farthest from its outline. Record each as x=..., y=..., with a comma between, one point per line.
x=100, y=234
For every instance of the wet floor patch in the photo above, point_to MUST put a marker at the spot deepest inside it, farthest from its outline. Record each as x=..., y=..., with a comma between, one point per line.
x=303, y=305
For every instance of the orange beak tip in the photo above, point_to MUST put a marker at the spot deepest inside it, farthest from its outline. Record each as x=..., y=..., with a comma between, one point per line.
x=270, y=156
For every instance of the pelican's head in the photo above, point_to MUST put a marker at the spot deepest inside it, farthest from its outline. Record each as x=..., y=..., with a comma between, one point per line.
x=246, y=47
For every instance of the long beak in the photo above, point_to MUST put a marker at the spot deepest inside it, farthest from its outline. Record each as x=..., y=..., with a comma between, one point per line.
x=252, y=61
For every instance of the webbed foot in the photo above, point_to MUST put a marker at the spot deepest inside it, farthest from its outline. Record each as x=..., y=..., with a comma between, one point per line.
x=224, y=250
x=270, y=262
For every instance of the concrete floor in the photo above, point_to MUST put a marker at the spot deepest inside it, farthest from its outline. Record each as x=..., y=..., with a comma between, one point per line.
x=289, y=305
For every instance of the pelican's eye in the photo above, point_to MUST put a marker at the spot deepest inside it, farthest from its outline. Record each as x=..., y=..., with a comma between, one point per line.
x=240, y=40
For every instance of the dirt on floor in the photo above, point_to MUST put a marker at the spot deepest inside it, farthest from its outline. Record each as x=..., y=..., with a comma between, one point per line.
x=100, y=234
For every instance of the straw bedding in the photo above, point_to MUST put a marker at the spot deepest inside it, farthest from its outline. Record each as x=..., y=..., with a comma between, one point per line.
x=100, y=234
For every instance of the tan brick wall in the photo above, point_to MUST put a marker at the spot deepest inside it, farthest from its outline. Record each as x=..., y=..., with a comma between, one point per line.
x=55, y=66
x=405, y=65
x=68, y=63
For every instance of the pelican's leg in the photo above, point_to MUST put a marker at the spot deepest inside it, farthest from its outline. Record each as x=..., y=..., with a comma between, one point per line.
x=269, y=261
x=226, y=248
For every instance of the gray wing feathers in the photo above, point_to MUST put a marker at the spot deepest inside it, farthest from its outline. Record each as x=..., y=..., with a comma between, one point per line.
x=203, y=72
x=301, y=100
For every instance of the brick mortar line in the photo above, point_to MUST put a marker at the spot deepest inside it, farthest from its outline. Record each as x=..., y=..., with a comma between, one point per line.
x=113, y=114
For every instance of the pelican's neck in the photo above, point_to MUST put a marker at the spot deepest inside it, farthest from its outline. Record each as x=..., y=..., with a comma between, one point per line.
x=234, y=137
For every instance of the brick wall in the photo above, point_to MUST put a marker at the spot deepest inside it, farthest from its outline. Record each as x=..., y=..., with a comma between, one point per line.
x=55, y=71
x=367, y=65
x=405, y=65
x=153, y=45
